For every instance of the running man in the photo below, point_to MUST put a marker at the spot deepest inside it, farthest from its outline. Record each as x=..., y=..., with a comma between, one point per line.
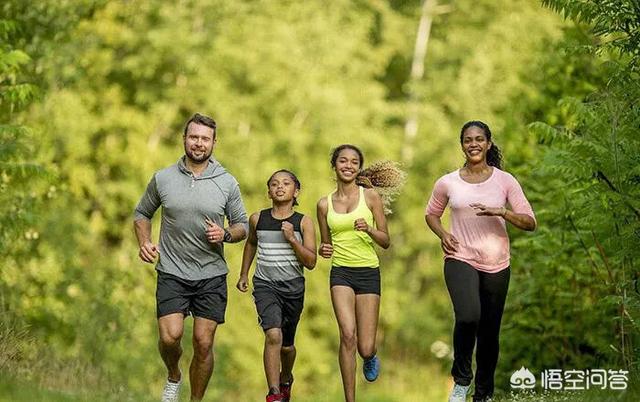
x=195, y=194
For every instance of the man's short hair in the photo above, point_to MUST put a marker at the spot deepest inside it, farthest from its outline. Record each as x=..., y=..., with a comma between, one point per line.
x=203, y=121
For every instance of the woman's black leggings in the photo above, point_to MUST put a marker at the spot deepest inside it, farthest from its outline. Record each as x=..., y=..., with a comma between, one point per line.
x=478, y=302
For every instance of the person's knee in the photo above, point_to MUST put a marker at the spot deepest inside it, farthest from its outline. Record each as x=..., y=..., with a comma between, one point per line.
x=366, y=349
x=171, y=336
x=202, y=345
x=273, y=337
x=468, y=318
x=349, y=339
x=288, y=349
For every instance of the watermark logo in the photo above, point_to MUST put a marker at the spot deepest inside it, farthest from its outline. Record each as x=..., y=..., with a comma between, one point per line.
x=523, y=379
x=571, y=380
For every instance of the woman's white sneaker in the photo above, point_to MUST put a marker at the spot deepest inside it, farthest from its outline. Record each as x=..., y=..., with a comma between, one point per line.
x=459, y=393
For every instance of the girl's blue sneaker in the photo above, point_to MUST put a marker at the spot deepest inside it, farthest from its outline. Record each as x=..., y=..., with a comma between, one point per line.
x=371, y=368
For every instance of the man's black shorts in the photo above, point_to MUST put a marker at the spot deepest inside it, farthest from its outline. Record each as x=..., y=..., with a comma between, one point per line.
x=278, y=310
x=206, y=298
x=361, y=280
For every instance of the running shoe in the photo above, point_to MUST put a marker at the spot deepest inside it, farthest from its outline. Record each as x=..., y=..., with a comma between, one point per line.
x=285, y=390
x=459, y=393
x=274, y=398
x=371, y=368
x=171, y=391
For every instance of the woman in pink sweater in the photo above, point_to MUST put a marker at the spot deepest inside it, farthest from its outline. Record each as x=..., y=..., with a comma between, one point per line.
x=476, y=253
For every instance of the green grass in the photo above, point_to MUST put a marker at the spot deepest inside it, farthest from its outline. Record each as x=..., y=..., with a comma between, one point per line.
x=13, y=389
x=629, y=395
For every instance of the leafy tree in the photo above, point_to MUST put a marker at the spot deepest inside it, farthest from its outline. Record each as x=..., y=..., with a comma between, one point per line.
x=580, y=298
x=18, y=170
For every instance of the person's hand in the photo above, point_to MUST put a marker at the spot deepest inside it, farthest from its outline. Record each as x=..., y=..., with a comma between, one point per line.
x=482, y=210
x=287, y=231
x=361, y=225
x=449, y=243
x=148, y=252
x=243, y=283
x=215, y=234
x=325, y=250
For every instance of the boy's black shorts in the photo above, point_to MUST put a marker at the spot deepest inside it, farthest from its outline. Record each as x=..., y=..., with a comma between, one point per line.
x=278, y=310
x=206, y=298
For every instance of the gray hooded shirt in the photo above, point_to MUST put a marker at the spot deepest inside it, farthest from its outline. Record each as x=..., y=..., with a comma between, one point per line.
x=186, y=203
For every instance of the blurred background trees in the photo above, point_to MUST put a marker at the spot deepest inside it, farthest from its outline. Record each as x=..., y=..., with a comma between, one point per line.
x=93, y=97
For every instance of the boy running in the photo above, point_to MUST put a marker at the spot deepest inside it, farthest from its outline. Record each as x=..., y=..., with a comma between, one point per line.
x=285, y=242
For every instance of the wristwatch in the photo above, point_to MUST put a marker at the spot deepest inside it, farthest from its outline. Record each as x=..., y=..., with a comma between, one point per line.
x=227, y=236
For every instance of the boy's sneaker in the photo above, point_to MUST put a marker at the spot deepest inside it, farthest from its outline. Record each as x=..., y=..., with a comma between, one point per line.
x=274, y=398
x=371, y=368
x=459, y=393
x=285, y=390
x=171, y=391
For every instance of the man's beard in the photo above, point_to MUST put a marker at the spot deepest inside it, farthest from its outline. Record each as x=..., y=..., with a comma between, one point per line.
x=197, y=159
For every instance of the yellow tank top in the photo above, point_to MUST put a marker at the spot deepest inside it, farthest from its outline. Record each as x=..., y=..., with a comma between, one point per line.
x=351, y=248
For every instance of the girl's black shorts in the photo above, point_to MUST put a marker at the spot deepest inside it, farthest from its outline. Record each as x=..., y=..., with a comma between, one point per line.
x=361, y=280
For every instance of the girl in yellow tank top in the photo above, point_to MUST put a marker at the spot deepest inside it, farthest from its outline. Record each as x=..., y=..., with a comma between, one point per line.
x=351, y=247
x=351, y=221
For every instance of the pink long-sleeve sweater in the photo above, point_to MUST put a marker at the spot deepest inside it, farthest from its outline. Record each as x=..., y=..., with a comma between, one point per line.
x=484, y=243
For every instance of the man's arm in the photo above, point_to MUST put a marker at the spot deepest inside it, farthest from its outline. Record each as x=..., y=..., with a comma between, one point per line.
x=148, y=251
x=145, y=209
x=238, y=232
x=237, y=216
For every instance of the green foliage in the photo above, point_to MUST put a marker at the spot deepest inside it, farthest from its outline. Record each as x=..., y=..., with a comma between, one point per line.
x=16, y=170
x=578, y=291
x=596, y=220
x=106, y=86
x=616, y=23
